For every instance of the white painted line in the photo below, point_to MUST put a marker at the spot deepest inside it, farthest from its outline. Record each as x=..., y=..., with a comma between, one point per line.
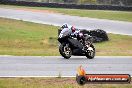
x=54, y=24
x=37, y=76
x=34, y=21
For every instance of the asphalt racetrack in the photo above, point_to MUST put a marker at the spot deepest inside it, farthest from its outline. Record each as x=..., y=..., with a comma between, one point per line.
x=54, y=66
x=117, y=27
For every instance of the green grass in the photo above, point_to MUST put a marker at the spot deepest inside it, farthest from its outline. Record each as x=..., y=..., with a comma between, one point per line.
x=26, y=38
x=101, y=14
x=52, y=83
x=116, y=46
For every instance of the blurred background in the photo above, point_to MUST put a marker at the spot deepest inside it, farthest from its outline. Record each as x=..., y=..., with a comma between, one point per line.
x=86, y=2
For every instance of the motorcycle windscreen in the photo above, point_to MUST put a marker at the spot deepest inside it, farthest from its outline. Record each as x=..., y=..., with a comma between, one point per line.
x=75, y=43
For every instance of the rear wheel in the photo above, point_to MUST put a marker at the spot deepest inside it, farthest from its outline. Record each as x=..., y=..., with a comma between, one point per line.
x=90, y=52
x=65, y=50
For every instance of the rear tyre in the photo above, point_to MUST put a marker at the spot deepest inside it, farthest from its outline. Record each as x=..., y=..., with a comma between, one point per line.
x=90, y=54
x=65, y=51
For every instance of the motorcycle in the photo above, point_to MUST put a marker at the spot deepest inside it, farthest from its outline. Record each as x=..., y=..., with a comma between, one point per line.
x=70, y=45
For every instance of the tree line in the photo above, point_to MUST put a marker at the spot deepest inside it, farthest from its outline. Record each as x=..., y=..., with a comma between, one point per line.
x=102, y=2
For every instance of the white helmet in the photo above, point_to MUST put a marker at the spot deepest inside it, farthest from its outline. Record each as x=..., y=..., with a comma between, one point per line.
x=64, y=26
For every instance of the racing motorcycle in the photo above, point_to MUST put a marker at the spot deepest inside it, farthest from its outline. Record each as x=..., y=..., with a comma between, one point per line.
x=70, y=45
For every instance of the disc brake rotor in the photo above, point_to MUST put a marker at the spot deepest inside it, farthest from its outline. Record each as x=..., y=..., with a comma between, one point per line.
x=66, y=50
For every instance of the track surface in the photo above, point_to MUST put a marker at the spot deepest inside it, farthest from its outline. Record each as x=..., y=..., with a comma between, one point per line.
x=11, y=66
x=118, y=27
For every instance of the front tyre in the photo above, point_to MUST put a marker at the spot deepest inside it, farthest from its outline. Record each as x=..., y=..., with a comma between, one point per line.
x=90, y=54
x=65, y=51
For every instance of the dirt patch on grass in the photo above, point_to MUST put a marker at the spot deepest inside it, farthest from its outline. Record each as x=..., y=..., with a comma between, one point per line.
x=28, y=9
x=36, y=10
x=58, y=81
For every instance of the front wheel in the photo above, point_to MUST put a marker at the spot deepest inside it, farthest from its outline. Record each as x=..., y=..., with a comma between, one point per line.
x=90, y=52
x=65, y=51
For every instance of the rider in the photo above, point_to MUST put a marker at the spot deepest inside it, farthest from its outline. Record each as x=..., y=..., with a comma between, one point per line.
x=74, y=32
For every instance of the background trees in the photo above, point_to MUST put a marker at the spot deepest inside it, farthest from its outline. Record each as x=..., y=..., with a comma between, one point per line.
x=104, y=2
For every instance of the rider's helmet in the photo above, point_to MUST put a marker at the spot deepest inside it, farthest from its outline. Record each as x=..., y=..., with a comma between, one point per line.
x=73, y=29
x=64, y=26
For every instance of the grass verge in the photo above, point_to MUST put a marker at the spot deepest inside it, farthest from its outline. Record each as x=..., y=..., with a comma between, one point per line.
x=27, y=38
x=101, y=14
x=52, y=83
